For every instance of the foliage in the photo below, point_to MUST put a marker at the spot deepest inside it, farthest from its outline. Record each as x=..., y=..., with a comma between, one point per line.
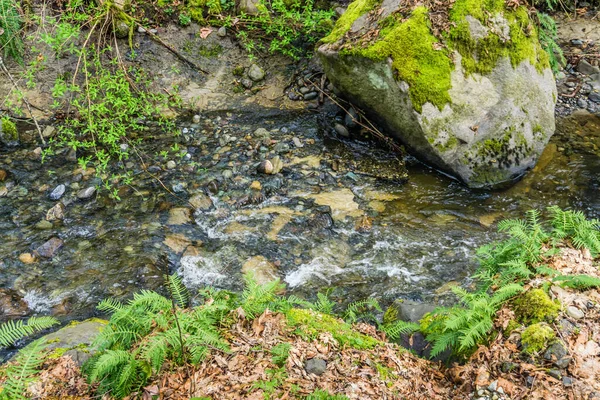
x=21, y=372
x=287, y=27
x=548, y=38
x=280, y=353
x=504, y=268
x=320, y=394
x=11, y=331
x=8, y=129
x=11, y=43
x=361, y=310
x=394, y=330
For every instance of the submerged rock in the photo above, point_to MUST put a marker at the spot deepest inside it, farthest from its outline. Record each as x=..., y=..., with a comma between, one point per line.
x=261, y=269
x=49, y=249
x=471, y=93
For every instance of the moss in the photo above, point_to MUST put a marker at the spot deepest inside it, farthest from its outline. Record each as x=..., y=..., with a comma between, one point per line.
x=411, y=45
x=196, y=9
x=425, y=64
x=391, y=315
x=512, y=326
x=210, y=51
x=536, y=337
x=535, y=306
x=354, y=11
x=9, y=129
x=310, y=323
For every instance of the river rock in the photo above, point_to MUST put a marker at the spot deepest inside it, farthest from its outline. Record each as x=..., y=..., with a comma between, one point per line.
x=411, y=311
x=27, y=258
x=200, y=201
x=482, y=119
x=56, y=212
x=261, y=269
x=249, y=7
x=11, y=305
x=3, y=175
x=256, y=73
x=222, y=32
x=49, y=249
x=57, y=192
x=179, y=216
x=86, y=193
x=76, y=339
x=341, y=130
x=586, y=68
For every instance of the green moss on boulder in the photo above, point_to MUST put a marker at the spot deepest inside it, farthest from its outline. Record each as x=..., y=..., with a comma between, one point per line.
x=537, y=337
x=535, y=306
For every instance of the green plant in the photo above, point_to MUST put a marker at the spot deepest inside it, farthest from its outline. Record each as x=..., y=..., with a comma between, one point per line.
x=536, y=337
x=23, y=371
x=277, y=377
x=535, y=306
x=9, y=129
x=10, y=30
x=324, y=395
x=280, y=353
x=548, y=37
x=361, y=310
x=11, y=331
x=184, y=19
x=573, y=225
x=581, y=282
x=394, y=330
x=463, y=327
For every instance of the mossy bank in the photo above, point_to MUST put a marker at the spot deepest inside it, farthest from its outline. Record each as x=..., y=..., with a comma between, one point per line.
x=468, y=88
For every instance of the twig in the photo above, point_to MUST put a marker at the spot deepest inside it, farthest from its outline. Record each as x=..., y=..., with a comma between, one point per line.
x=577, y=89
x=6, y=71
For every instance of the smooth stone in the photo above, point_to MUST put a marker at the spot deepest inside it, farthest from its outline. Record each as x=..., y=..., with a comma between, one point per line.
x=247, y=83
x=49, y=249
x=44, y=225
x=171, y=164
x=200, y=201
x=575, y=312
x=256, y=73
x=297, y=142
x=56, y=213
x=581, y=103
x=315, y=366
x=350, y=118
x=586, y=68
x=341, y=130
x=86, y=193
x=222, y=32
x=58, y=192
x=262, y=270
x=310, y=96
x=595, y=97
x=27, y=258
x=179, y=216
x=196, y=119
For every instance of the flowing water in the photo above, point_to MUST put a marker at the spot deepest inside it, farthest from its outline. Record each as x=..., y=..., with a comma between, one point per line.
x=323, y=228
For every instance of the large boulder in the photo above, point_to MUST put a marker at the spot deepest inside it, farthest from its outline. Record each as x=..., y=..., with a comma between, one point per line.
x=464, y=84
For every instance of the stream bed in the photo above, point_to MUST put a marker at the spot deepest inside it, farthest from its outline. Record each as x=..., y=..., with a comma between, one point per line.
x=340, y=215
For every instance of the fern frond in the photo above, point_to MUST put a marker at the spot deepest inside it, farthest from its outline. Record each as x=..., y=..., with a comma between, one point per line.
x=109, y=306
x=152, y=301
x=280, y=353
x=580, y=282
x=23, y=371
x=442, y=342
x=396, y=329
x=12, y=331
x=360, y=308
x=178, y=290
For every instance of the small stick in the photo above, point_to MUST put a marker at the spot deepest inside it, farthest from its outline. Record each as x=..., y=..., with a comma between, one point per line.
x=24, y=99
x=175, y=52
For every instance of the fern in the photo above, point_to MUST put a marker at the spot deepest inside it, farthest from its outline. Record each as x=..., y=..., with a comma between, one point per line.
x=583, y=233
x=360, y=309
x=323, y=395
x=10, y=24
x=580, y=282
x=257, y=298
x=280, y=353
x=178, y=291
x=323, y=304
x=396, y=329
x=548, y=37
x=12, y=331
x=23, y=371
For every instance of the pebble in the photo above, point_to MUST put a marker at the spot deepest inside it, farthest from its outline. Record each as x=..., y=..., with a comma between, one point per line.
x=570, y=84
x=567, y=381
x=86, y=193
x=227, y=174
x=304, y=90
x=141, y=29
x=265, y=167
x=256, y=73
x=255, y=185
x=350, y=118
x=315, y=366
x=575, y=312
x=57, y=192
x=292, y=96
x=196, y=119
x=27, y=258
x=3, y=175
x=222, y=32
x=341, y=130
x=297, y=142
x=310, y=96
x=247, y=83
x=554, y=373
x=56, y=212
x=282, y=147
x=171, y=164
x=44, y=225
x=581, y=103
x=595, y=97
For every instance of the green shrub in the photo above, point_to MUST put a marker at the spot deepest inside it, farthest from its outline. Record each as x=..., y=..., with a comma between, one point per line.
x=10, y=29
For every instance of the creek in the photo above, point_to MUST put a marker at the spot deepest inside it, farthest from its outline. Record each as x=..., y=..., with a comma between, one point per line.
x=351, y=233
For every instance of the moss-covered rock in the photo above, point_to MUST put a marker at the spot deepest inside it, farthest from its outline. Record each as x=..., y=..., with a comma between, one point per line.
x=537, y=337
x=472, y=93
x=535, y=306
x=8, y=132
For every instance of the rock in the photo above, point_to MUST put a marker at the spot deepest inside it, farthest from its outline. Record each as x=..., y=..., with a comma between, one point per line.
x=567, y=381
x=177, y=242
x=563, y=363
x=86, y=193
x=310, y=96
x=581, y=103
x=48, y=131
x=556, y=353
x=179, y=216
x=575, y=312
x=171, y=164
x=586, y=68
x=222, y=32
x=464, y=115
x=595, y=97
x=351, y=118
x=121, y=29
x=3, y=175
x=56, y=213
x=315, y=366
x=281, y=147
x=277, y=165
x=297, y=142
x=49, y=249
x=256, y=73
x=249, y=7
x=43, y=225
x=57, y=192
x=411, y=311
x=27, y=258
x=341, y=130
x=196, y=119
x=11, y=305
x=555, y=373
x=247, y=83
x=265, y=167
x=255, y=185
x=77, y=338
x=200, y=201
x=262, y=269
